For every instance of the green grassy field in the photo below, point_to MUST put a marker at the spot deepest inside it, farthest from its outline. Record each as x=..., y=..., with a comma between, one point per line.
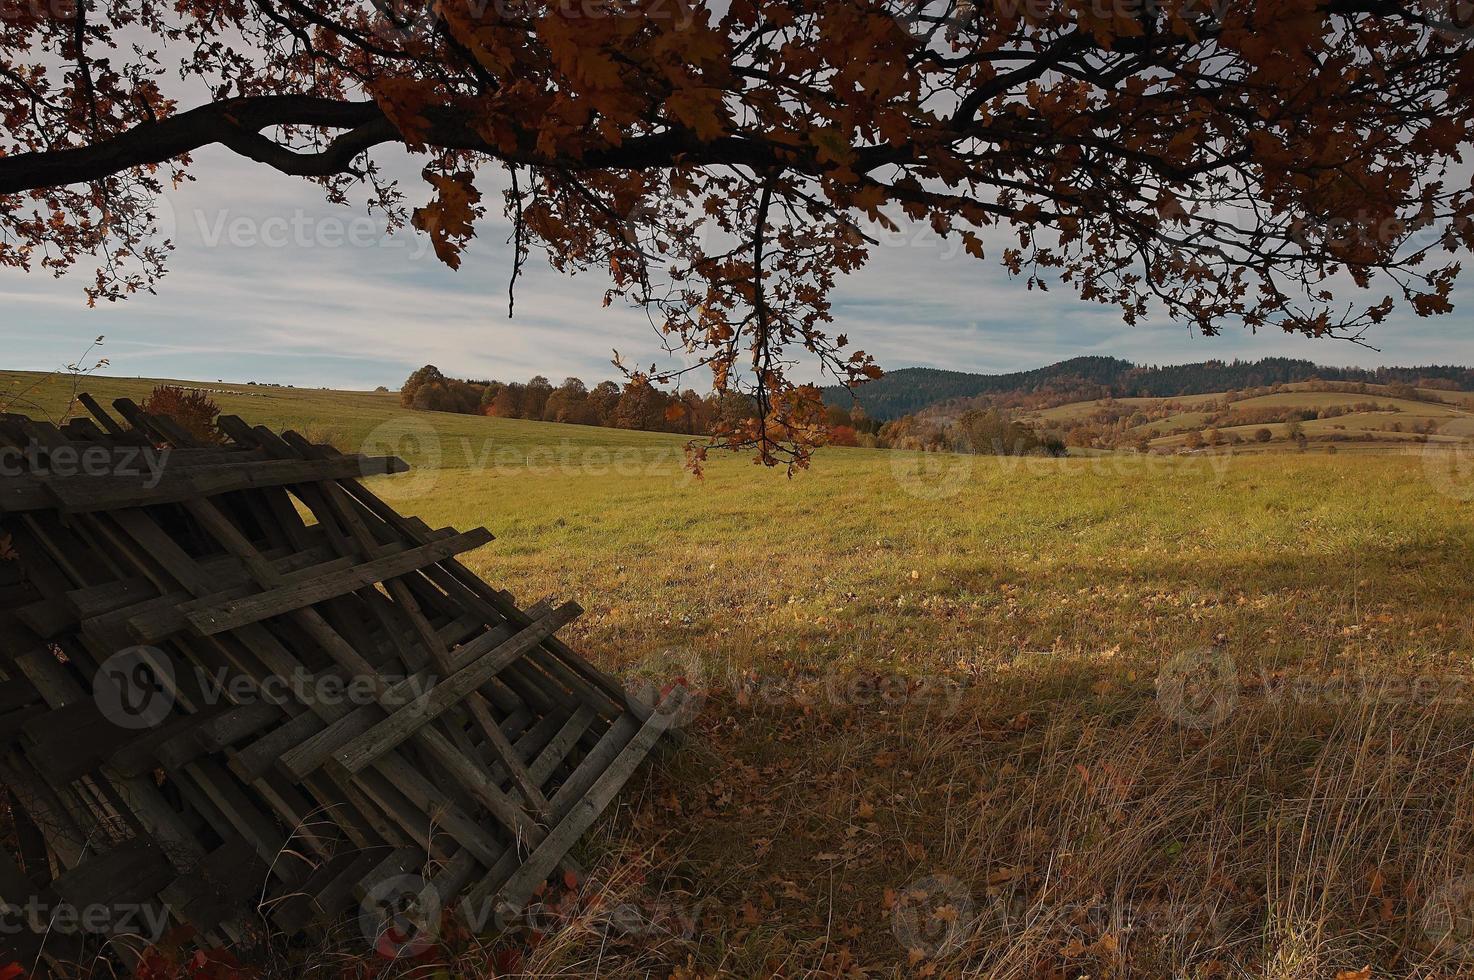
x=1117, y=716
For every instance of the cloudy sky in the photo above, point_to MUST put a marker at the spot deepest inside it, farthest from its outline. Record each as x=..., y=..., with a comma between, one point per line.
x=270, y=283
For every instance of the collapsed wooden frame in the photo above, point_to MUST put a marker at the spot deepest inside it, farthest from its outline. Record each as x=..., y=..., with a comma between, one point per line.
x=234, y=584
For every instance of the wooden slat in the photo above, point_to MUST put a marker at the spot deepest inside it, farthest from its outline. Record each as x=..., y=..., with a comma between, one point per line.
x=101, y=414
x=252, y=609
x=84, y=494
x=405, y=721
x=324, y=893
x=515, y=893
x=557, y=750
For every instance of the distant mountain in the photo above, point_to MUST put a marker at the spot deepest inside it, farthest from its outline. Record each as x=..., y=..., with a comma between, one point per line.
x=906, y=391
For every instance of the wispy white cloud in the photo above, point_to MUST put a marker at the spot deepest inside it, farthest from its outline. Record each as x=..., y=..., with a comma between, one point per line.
x=272, y=283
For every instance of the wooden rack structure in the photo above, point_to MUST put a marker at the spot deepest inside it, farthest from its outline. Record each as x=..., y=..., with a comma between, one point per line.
x=179, y=650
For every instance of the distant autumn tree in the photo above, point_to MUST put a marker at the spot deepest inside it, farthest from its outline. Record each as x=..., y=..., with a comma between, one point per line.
x=1277, y=163
x=429, y=375
x=641, y=406
x=508, y=403
x=535, y=397
x=604, y=402
x=569, y=402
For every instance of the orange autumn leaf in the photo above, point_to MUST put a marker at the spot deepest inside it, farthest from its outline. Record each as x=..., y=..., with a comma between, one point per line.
x=449, y=219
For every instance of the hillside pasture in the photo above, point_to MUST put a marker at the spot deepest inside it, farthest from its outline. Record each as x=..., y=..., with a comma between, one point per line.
x=1327, y=399
x=1396, y=425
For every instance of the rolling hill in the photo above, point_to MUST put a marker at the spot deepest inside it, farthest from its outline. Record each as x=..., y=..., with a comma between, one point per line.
x=1343, y=415
x=907, y=391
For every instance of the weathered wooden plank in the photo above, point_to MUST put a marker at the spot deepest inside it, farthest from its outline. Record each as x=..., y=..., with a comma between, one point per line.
x=246, y=819
x=405, y=721
x=224, y=887
x=557, y=750
x=266, y=752
x=82, y=494
x=108, y=422
x=251, y=609
x=163, y=616
x=130, y=872
x=325, y=892
x=215, y=733
x=581, y=815
x=73, y=740
x=310, y=753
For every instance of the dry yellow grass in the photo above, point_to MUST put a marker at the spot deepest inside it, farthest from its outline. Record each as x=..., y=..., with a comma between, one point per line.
x=944, y=676
x=1113, y=717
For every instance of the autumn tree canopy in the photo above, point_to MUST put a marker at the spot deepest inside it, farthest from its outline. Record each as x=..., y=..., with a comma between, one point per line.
x=1268, y=163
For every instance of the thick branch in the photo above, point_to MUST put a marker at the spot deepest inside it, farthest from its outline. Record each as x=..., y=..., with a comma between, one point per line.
x=236, y=123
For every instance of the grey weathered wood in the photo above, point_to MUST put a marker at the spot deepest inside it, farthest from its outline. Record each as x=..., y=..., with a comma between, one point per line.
x=83, y=494
x=234, y=613
x=557, y=750
x=581, y=816
x=407, y=720
x=359, y=591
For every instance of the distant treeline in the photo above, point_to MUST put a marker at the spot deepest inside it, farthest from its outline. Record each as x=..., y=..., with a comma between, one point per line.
x=639, y=405
x=910, y=390
x=634, y=405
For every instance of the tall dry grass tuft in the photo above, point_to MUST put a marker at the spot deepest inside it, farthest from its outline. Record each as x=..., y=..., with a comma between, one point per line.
x=1289, y=840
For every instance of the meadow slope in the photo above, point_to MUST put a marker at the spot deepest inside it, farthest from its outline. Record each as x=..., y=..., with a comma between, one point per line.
x=1121, y=716
x=1362, y=418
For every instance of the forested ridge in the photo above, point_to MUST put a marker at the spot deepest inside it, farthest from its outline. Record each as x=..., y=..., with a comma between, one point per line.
x=906, y=391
